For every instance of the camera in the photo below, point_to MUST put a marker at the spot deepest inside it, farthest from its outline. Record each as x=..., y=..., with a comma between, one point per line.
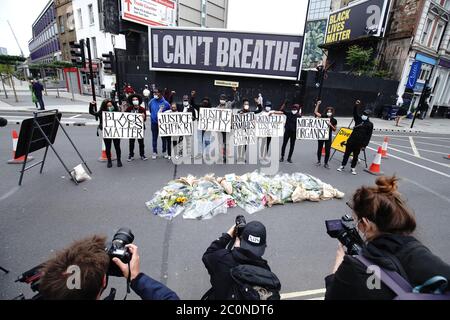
x=240, y=225
x=117, y=249
x=345, y=231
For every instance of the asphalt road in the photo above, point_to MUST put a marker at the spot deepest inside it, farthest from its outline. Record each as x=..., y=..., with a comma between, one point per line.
x=48, y=212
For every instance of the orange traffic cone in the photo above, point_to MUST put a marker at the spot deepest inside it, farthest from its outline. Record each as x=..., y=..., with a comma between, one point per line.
x=447, y=157
x=103, y=157
x=20, y=160
x=384, y=148
x=323, y=151
x=376, y=164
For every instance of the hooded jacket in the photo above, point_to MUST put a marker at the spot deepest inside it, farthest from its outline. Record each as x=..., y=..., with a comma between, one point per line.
x=219, y=260
x=154, y=107
x=417, y=265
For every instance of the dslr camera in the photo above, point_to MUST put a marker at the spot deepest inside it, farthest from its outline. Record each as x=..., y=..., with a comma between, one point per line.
x=117, y=249
x=345, y=231
x=240, y=225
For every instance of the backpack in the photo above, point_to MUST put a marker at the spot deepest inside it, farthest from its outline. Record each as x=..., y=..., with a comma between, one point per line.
x=254, y=283
x=403, y=289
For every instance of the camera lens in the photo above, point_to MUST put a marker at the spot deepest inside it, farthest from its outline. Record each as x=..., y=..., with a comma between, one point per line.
x=124, y=236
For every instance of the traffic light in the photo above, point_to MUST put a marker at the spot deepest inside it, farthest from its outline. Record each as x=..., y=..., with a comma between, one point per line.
x=108, y=62
x=77, y=53
x=426, y=93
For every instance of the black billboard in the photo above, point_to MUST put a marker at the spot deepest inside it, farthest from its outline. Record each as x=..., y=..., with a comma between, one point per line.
x=225, y=52
x=360, y=19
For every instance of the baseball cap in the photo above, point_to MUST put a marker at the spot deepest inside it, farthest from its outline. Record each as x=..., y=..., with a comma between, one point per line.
x=268, y=104
x=253, y=238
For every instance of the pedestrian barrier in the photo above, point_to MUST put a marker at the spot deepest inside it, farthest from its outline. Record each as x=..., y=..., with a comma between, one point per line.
x=375, y=167
x=384, y=148
x=20, y=160
x=103, y=157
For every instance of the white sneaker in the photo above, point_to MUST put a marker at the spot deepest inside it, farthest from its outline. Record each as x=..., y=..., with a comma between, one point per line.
x=168, y=157
x=177, y=157
x=353, y=171
x=340, y=169
x=154, y=156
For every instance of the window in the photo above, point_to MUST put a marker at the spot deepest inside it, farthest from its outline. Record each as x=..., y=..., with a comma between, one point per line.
x=101, y=21
x=437, y=35
x=80, y=19
x=91, y=14
x=61, y=24
x=426, y=31
x=94, y=47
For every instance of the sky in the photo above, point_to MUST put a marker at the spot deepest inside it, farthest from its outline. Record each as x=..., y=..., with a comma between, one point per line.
x=21, y=15
x=276, y=16
x=280, y=16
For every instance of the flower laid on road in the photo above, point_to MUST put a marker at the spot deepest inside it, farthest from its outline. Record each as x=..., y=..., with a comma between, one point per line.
x=205, y=197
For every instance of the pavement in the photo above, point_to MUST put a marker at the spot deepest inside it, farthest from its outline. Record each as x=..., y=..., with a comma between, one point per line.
x=48, y=211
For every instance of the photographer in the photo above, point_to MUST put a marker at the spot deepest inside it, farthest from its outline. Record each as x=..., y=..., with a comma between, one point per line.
x=387, y=226
x=93, y=261
x=221, y=263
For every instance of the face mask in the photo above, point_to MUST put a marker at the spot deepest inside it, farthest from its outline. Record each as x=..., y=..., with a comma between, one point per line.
x=135, y=103
x=267, y=109
x=246, y=106
x=294, y=111
x=111, y=108
x=185, y=103
x=364, y=117
x=155, y=96
x=222, y=101
x=329, y=114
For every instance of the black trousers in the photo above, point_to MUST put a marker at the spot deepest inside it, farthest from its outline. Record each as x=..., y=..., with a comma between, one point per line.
x=288, y=135
x=224, y=142
x=355, y=149
x=41, y=102
x=141, y=147
x=320, y=144
x=170, y=144
x=108, y=143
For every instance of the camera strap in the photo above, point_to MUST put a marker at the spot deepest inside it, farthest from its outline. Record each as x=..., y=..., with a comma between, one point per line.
x=128, y=281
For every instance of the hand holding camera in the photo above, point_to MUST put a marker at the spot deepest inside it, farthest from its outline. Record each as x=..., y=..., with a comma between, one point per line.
x=134, y=263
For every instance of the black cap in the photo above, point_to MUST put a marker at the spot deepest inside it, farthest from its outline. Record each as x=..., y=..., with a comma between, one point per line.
x=268, y=104
x=367, y=112
x=223, y=97
x=253, y=238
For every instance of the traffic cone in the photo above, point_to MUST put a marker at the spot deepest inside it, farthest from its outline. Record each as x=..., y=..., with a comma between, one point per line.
x=323, y=151
x=20, y=160
x=447, y=157
x=384, y=148
x=376, y=164
x=103, y=157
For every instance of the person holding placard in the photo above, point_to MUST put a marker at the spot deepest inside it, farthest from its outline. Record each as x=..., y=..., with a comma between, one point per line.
x=107, y=106
x=245, y=109
x=225, y=104
x=206, y=103
x=290, y=129
x=332, y=123
x=265, y=141
x=157, y=104
x=134, y=106
x=168, y=142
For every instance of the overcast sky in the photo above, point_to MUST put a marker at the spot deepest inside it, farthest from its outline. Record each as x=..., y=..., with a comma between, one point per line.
x=278, y=16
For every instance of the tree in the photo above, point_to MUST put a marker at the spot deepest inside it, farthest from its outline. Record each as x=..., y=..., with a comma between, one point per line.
x=362, y=63
x=7, y=67
x=54, y=65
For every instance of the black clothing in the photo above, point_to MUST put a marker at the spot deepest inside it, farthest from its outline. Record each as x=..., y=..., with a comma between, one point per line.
x=320, y=144
x=417, y=265
x=333, y=122
x=288, y=135
x=219, y=261
x=291, y=120
x=362, y=131
x=349, y=149
x=141, y=147
x=108, y=143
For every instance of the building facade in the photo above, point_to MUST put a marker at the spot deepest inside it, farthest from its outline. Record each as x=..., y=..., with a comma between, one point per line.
x=202, y=13
x=44, y=45
x=89, y=24
x=66, y=26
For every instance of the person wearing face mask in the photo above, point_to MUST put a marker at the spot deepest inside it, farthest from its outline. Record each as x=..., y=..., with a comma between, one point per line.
x=202, y=136
x=264, y=142
x=225, y=104
x=107, y=106
x=134, y=106
x=290, y=128
x=359, y=138
x=157, y=104
x=146, y=94
x=172, y=141
x=332, y=123
x=387, y=225
x=243, y=149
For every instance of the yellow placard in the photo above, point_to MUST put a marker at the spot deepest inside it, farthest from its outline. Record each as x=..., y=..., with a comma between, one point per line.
x=340, y=140
x=223, y=83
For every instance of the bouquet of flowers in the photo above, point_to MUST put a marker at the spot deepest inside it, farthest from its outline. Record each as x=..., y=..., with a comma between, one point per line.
x=171, y=200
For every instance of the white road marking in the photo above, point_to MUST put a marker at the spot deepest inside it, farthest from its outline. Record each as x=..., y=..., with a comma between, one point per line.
x=413, y=147
x=437, y=138
x=297, y=294
x=73, y=117
x=415, y=164
x=433, y=144
x=9, y=193
x=410, y=154
x=318, y=298
x=409, y=147
x=428, y=189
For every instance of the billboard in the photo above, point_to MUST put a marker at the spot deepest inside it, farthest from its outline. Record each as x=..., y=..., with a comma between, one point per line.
x=360, y=19
x=150, y=12
x=225, y=52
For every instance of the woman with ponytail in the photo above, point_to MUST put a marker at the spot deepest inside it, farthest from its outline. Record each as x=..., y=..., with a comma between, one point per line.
x=387, y=225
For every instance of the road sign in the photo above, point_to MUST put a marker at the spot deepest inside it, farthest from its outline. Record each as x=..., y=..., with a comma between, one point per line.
x=224, y=83
x=150, y=12
x=340, y=141
x=413, y=74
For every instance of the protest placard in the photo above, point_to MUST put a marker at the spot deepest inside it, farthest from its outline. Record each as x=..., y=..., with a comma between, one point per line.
x=175, y=124
x=313, y=129
x=270, y=125
x=244, y=129
x=215, y=119
x=123, y=125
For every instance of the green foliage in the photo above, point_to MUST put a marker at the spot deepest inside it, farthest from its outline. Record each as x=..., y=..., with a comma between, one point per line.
x=11, y=60
x=362, y=63
x=52, y=65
